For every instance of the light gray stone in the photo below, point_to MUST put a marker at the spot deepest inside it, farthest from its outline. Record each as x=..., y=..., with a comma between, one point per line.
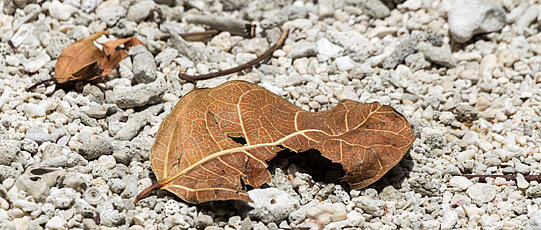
x=144, y=67
x=467, y=18
x=61, y=11
x=136, y=122
x=111, y=14
x=370, y=205
x=438, y=55
x=327, y=50
x=449, y=219
x=304, y=50
x=8, y=152
x=140, y=10
x=56, y=223
x=139, y=95
x=165, y=57
x=62, y=198
x=38, y=135
x=375, y=8
x=481, y=193
x=95, y=146
x=534, y=191
x=271, y=205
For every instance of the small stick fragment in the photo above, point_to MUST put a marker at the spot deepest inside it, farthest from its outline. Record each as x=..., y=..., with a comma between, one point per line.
x=240, y=67
x=482, y=178
x=233, y=25
x=40, y=83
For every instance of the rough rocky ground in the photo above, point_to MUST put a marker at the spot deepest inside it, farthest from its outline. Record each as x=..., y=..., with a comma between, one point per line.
x=465, y=74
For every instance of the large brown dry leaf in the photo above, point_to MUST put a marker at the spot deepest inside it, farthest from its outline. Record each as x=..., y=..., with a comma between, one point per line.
x=195, y=157
x=82, y=60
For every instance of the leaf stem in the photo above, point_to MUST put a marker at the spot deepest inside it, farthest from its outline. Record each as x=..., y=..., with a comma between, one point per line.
x=146, y=191
x=40, y=83
x=507, y=177
x=239, y=67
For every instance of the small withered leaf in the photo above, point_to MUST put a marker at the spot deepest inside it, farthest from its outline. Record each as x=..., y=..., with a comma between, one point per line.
x=84, y=61
x=195, y=157
x=76, y=57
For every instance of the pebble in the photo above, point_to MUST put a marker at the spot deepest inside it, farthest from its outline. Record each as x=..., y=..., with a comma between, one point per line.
x=110, y=13
x=465, y=113
x=535, y=221
x=521, y=181
x=61, y=11
x=9, y=152
x=271, y=205
x=100, y=111
x=203, y=221
x=534, y=191
x=89, y=6
x=165, y=57
x=144, y=66
x=508, y=57
x=370, y=205
x=139, y=95
x=56, y=223
x=327, y=50
x=62, y=198
x=136, y=122
x=38, y=135
x=471, y=138
x=95, y=146
x=438, y=55
x=326, y=9
x=327, y=212
x=468, y=18
x=22, y=223
x=304, y=50
x=416, y=61
x=527, y=18
x=487, y=66
x=299, y=215
x=344, y=63
x=460, y=182
x=407, y=45
x=34, y=64
x=449, y=220
x=140, y=10
x=376, y=9
x=40, y=110
x=481, y=193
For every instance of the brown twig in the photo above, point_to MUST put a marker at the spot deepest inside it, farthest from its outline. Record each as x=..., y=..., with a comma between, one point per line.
x=482, y=178
x=240, y=67
x=40, y=83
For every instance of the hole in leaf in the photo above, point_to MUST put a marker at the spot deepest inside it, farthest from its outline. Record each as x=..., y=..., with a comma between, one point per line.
x=245, y=187
x=239, y=140
x=312, y=162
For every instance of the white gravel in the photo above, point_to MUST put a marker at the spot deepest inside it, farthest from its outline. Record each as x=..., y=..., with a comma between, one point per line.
x=466, y=74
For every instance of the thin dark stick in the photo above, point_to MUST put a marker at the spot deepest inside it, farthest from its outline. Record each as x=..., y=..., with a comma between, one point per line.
x=240, y=67
x=40, y=83
x=507, y=177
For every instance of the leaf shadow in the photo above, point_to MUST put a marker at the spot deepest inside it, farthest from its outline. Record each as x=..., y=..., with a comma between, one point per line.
x=396, y=176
